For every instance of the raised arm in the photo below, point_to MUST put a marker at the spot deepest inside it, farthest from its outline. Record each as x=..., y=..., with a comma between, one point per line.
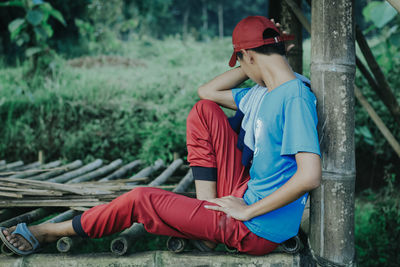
x=219, y=88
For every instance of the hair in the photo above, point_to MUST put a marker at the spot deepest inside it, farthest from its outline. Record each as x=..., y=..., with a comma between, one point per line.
x=276, y=48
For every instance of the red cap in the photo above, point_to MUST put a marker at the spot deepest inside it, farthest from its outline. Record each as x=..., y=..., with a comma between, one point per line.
x=248, y=33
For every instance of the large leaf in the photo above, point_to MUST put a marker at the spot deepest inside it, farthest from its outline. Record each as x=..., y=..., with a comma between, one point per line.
x=380, y=13
x=13, y=3
x=34, y=17
x=47, y=8
x=16, y=25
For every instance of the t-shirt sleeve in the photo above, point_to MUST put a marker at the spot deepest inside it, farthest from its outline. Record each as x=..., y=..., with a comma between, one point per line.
x=300, y=127
x=238, y=94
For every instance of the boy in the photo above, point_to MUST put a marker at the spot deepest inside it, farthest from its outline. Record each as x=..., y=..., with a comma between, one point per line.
x=251, y=186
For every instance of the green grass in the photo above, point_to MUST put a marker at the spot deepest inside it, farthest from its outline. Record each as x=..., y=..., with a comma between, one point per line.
x=109, y=111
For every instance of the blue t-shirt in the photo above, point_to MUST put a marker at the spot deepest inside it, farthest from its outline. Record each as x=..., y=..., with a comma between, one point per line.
x=275, y=126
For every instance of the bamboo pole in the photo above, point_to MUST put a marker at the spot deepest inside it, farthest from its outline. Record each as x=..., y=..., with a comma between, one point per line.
x=6, y=214
x=292, y=25
x=121, y=171
x=62, y=217
x=27, y=217
x=123, y=242
x=70, y=175
x=97, y=173
x=395, y=4
x=299, y=14
x=2, y=162
x=68, y=167
x=332, y=77
x=28, y=173
x=385, y=92
x=146, y=172
x=378, y=122
x=28, y=166
x=11, y=166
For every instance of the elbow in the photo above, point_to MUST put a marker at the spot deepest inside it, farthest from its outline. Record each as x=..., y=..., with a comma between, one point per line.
x=315, y=180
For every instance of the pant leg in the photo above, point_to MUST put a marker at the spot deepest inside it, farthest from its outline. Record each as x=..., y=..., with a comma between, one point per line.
x=166, y=213
x=211, y=143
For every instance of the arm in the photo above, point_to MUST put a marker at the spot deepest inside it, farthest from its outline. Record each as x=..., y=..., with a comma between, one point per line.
x=306, y=178
x=219, y=88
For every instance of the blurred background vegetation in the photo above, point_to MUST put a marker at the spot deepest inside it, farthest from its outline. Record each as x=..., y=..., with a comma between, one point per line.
x=108, y=79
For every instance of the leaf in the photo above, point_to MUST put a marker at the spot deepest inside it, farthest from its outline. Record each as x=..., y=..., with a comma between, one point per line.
x=41, y=33
x=54, y=13
x=34, y=17
x=38, y=2
x=48, y=29
x=380, y=13
x=15, y=25
x=13, y=3
x=33, y=50
x=395, y=39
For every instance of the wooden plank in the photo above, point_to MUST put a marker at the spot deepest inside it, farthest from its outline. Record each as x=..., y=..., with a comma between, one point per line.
x=29, y=191
x=50, y=186
x=9, y=194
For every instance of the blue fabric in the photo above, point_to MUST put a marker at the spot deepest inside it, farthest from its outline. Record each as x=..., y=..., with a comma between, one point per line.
x=281, y=123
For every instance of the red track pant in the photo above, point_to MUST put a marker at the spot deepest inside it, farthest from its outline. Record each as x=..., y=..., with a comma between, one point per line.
x=211, y=143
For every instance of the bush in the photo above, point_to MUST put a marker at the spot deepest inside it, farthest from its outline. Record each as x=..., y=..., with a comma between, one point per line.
x=378, y=226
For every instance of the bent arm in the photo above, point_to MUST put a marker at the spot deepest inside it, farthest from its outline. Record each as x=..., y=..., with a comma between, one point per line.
x=306, y=178
x=219, y=88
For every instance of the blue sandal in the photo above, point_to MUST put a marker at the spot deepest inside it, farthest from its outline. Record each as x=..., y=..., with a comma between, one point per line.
x=22, y=230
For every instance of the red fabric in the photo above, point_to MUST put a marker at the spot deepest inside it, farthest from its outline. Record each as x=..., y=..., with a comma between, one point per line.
x=211, y=143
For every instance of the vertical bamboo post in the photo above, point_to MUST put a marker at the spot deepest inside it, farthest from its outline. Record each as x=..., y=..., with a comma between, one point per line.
x=292, y=25
x=332, y=77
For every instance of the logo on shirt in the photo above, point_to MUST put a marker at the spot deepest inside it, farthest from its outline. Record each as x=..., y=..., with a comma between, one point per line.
x=304, y=201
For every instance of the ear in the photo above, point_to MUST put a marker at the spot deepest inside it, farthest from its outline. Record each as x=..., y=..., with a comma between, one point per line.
x=248, y=56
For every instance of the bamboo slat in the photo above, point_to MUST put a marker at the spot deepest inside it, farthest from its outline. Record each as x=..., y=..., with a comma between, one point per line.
x=70, y=175
x=68, y=167
x=27, y=217
x=11, y=166
x=30, y=172
x=146, y=172
x=122, y=171
x=97, y=173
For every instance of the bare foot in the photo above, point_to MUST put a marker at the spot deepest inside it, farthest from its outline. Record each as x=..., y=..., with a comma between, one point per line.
x=21, y=243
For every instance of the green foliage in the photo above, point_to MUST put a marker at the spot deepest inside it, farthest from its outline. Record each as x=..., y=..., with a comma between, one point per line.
x=127, y=107
x=378, y=226
x=33, y=32
x=385, y=44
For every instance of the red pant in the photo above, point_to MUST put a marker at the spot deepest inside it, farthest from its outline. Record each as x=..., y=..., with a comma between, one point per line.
x=211, y=142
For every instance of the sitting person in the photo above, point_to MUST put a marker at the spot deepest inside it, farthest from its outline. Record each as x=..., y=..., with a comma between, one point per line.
x=252, y=173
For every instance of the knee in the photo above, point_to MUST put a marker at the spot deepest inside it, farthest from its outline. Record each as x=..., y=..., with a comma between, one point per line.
x=200, y=109
x=138, y=193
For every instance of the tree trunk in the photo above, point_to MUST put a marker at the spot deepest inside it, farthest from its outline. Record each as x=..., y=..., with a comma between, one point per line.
x=185, y=21
x=332, y=78
x=221, y=20
x=204, y=17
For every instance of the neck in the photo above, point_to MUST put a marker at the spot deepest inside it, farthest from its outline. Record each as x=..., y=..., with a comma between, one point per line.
x=275, y=70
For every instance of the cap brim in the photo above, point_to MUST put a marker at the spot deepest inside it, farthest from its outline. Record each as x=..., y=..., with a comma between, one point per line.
x=232, y=62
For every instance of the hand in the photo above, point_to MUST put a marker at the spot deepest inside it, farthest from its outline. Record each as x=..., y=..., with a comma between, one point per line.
x=278, y=25
x=232, y=206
